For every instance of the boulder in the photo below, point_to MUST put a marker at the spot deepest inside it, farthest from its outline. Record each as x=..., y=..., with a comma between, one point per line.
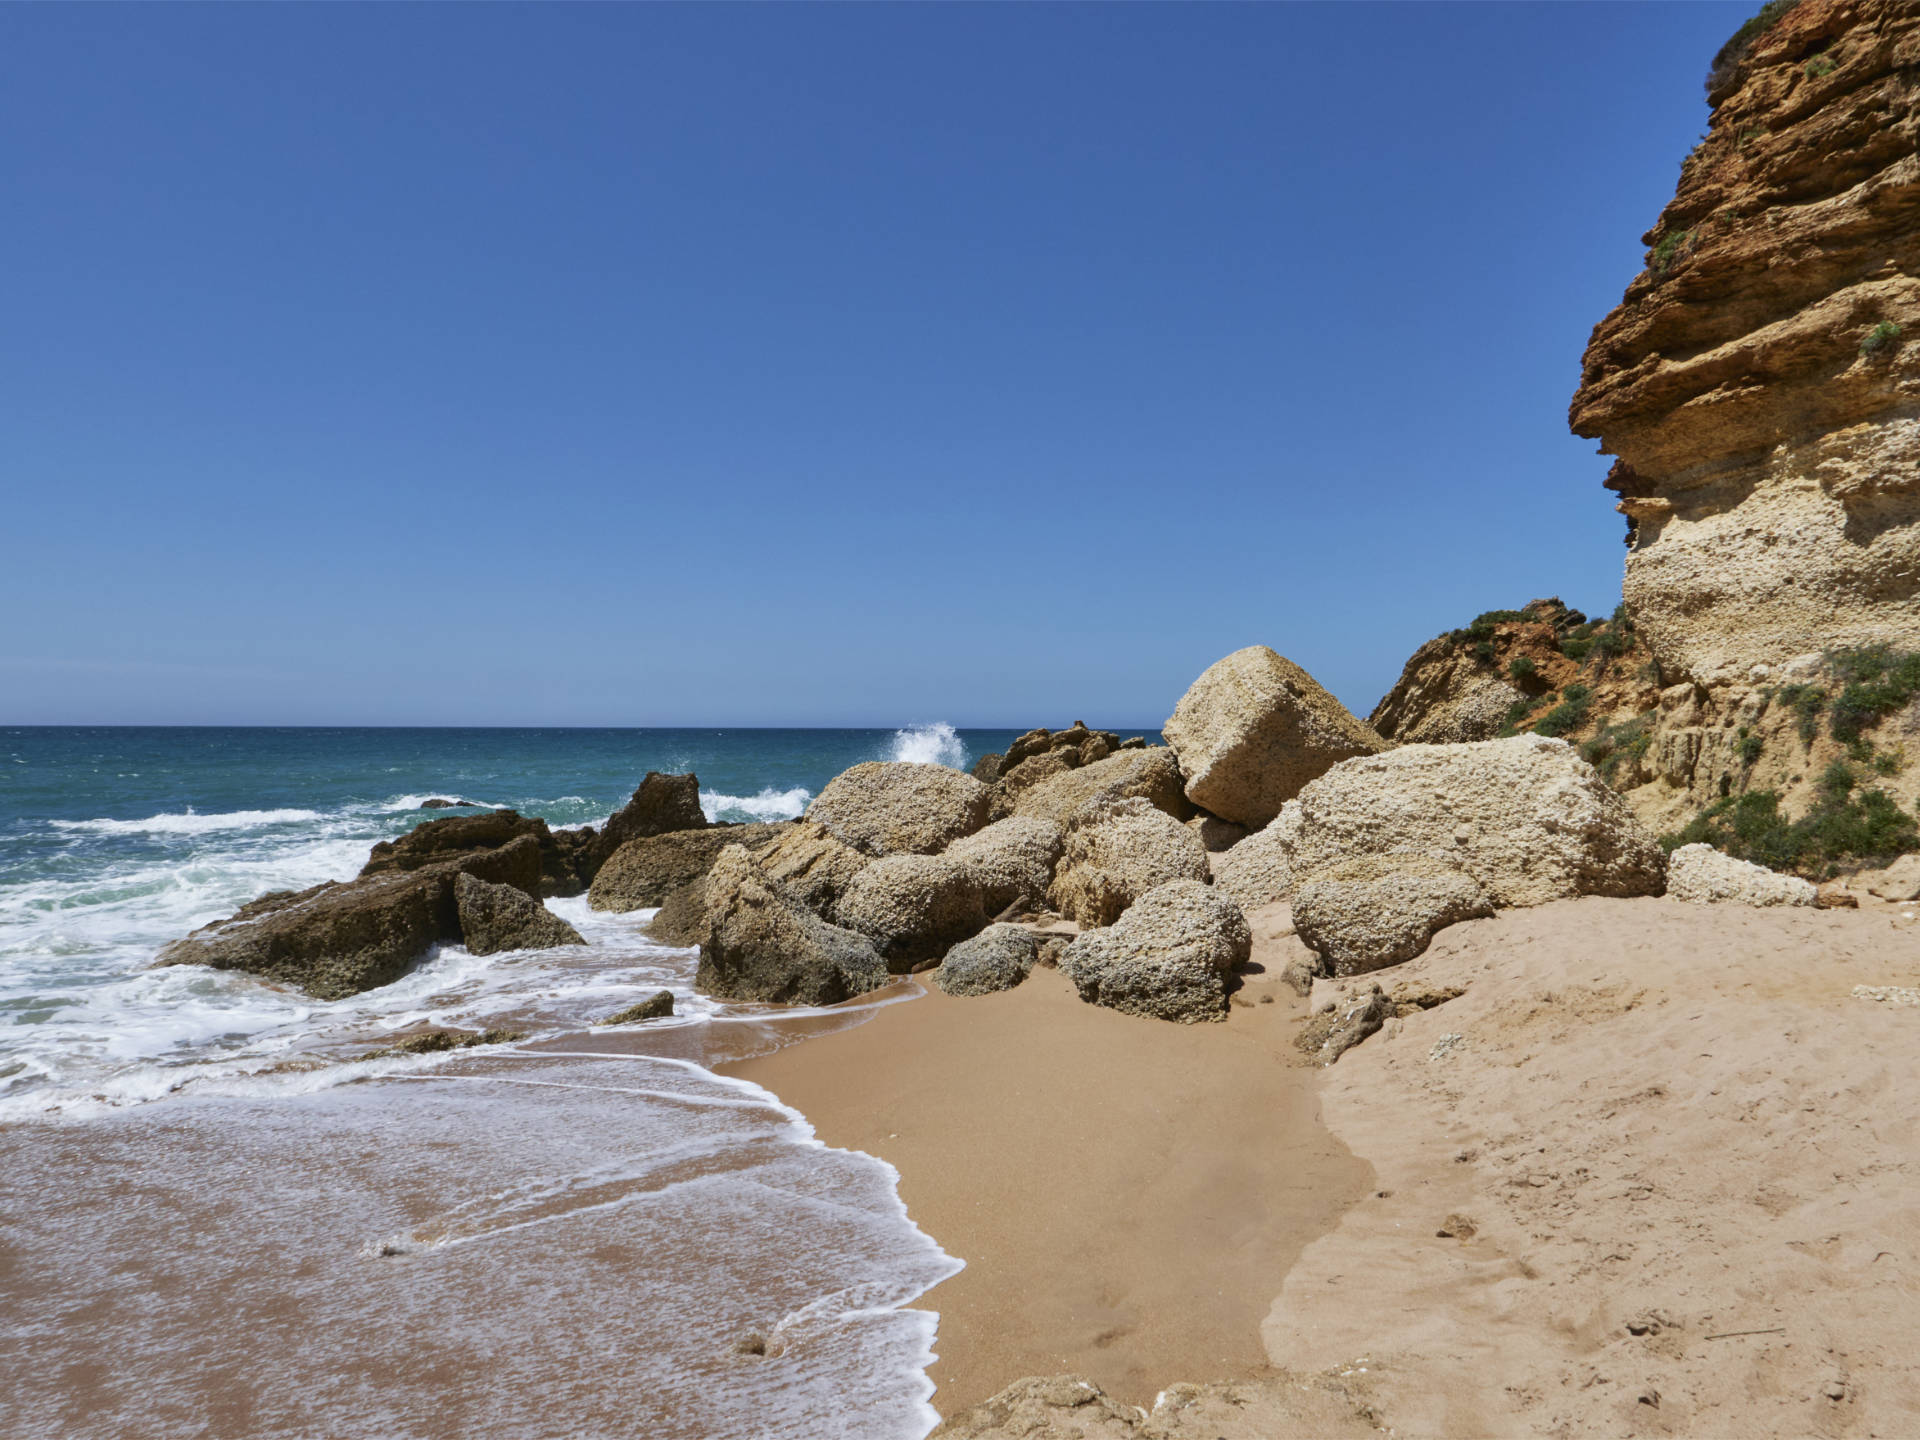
x=645, y=871
x=1379, y=910
x=1259, y=870
x=1117, y=851
x=987, y=768
x=658, y=1007
x=761, y=943
x=1150, y=774
x=1702, y=875
x=891, y=807
x=333, y=940
x=912, y=907
x=1013, y=859
x=1900, y=881
x=814, y=865
x=338, y=939
x=1168, y=957
x=1255, y=728
x=1526, y=817
x=660, y=805
x=440, y=802
x=499, y=917
x=998, y=958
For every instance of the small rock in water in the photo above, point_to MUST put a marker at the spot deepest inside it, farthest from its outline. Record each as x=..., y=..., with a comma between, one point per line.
x=442, y=803
x=751, y=1343
x=656, y=1008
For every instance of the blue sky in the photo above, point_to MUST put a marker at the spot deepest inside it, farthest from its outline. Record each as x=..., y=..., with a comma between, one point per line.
x=800, y=365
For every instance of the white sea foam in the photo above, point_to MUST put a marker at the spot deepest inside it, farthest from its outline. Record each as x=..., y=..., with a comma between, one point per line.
x=190, y=823
x=935, y=744
x=769, y=804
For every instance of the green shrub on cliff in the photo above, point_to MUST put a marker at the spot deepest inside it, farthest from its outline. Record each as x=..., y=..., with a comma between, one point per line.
x=1522, y=668
x=1881, y=337
x=1875, y=681
x=1671, y=247
x=1846, y=823
x=1568, y=714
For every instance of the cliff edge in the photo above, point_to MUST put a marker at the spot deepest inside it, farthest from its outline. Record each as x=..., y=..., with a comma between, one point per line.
x=1760, y=381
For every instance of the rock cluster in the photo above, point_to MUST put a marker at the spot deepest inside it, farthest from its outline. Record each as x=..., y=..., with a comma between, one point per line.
x=647, y=870
x=1060, y=749
x=1115, y=853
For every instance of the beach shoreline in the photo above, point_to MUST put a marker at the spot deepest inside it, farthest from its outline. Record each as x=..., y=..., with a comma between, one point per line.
x=1128, y=1195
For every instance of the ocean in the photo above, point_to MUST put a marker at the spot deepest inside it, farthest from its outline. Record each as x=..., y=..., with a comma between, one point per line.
x=227, y=1220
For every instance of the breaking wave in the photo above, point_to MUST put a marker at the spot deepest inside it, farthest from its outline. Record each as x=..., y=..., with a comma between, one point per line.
x=190, y=823
x=936, y=744
x=769, y=804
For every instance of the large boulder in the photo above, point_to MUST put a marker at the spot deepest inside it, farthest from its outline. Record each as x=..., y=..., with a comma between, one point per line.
x=761, y=943
x=499, y=917
x=643, y=872
x=891, y=807
x=335, y=940
x=1379, y=910
x=1259, y=870
x=1526, y=817
x=660, y=805
x=813, y=865
x=998, y=958
x=1013, y=859
x=1254, y=729
x=1168, y=957
x=1117, y=851
x=912, y=907
x=1151, y=774
x=1703, y=875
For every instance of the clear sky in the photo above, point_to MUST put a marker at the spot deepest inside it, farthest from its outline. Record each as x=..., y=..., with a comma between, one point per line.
x=816, y=365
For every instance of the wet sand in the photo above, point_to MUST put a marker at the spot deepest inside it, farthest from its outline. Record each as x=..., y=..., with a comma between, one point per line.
x=1128, y=1195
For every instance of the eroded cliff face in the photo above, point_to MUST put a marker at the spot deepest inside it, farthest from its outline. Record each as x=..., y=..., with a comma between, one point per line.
x=1760, y=382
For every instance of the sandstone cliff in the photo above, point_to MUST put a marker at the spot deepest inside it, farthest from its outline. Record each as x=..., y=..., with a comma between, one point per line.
x=1760, y=386
x=1760, y=382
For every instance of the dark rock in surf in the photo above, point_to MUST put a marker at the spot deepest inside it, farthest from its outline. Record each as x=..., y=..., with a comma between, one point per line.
x=659, y=1007
x=660, y=805
x=499, y=917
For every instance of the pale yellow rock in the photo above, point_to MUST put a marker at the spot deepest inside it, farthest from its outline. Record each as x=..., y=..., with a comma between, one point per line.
x=1117, y=853
x=888, y=807
x=1526, y=817
x=1702, y=875
x=1253, y=729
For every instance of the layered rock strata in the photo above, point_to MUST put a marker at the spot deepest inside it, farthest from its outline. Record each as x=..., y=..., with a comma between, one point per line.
x=1760, y=381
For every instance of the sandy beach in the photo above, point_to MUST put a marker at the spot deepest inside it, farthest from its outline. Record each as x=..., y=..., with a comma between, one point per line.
x=1128, y=1195
x=1554, y=1205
